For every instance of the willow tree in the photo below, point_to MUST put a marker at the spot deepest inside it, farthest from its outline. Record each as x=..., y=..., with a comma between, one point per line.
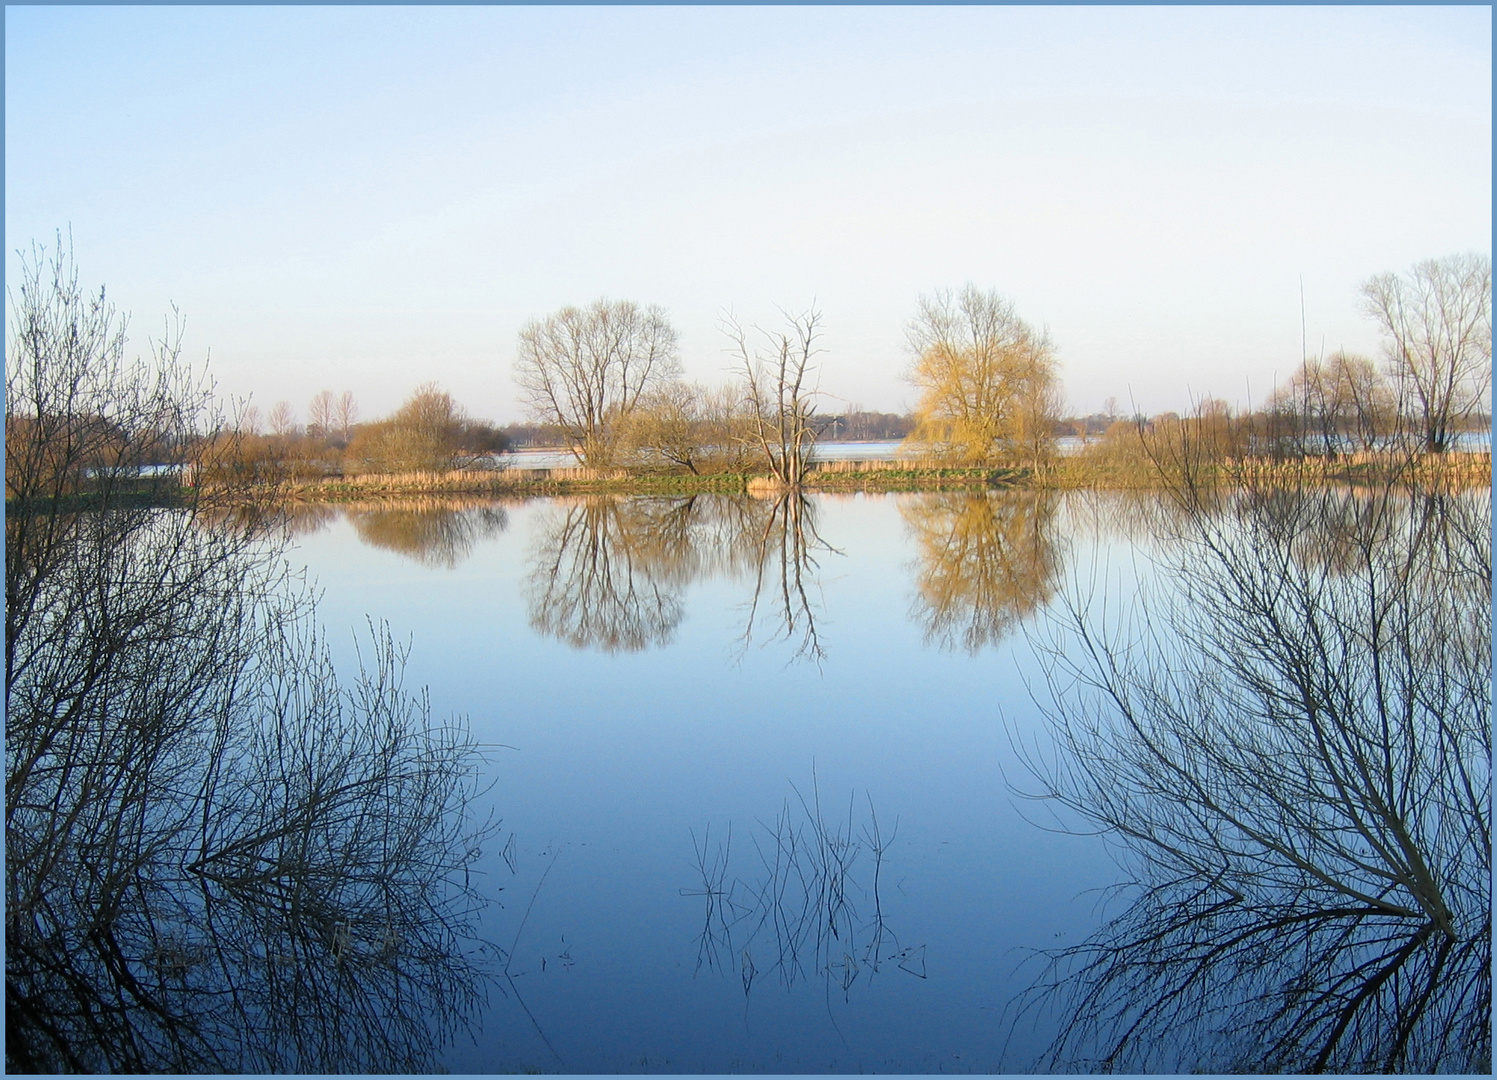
x=987, y=379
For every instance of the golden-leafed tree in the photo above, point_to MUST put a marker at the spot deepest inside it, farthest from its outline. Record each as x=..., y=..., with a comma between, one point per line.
x=987, y=561
x=988, y=386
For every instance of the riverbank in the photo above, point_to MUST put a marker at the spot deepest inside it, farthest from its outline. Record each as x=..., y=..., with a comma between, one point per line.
x=871, y=476
x=1459, y=469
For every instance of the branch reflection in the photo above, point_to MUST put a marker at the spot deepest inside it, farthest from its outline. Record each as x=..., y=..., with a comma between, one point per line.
x=218, y=859
x=798, y=918
x=784, y=544
x=1294, y=756
x=987, y=561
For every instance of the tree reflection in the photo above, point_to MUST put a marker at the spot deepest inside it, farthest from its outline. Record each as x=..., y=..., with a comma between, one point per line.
x=218, y=859
x=1293, y=754
x=798, y=917
x=784, y=544
x=434, y=534
x=987, y=561
x=609, y=572
x=605, y=572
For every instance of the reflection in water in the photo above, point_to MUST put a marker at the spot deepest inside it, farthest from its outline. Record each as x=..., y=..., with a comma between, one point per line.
x=434, y=535
x=217, y=858
x=609, y=572
x=435, y=532
x=798, y=919
x=987, y=560
x=1293, y=752
x=784, y=545
x=605, y=573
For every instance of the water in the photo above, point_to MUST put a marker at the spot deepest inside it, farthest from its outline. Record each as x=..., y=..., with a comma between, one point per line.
x=647, y=709
x=759, y=776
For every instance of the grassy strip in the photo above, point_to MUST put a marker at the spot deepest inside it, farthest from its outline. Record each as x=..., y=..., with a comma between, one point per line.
x=1458, y=469
x=575, y=482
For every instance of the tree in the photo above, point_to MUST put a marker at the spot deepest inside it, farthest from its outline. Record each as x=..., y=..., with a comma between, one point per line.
x=585, y=370
x=426, y=434
x=987, y=379
x=346, y=414
x=1293, y=758
x=321, y=416
x=1438, y=323
x=776, y=378
x=282, y=420
x=219, y=857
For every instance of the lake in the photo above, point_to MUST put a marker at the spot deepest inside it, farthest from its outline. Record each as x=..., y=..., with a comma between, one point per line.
x=760, y=768
x=647, y=710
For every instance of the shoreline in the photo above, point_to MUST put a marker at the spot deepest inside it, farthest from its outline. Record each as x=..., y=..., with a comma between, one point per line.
x=1462, y=469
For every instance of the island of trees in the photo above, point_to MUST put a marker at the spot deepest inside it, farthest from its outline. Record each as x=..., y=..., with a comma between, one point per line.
x=602, y=385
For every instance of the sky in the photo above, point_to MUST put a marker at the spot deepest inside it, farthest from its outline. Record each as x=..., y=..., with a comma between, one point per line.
x=366, y=199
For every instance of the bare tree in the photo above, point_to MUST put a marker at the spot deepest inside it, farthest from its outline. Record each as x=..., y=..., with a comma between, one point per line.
x=321, y=416
x=777, y=378
x=1438, y=323
x=282, y=420
x=346, y=415
x=1293, y=757
x=219, y=857
x=250, y=420
x=585, y=369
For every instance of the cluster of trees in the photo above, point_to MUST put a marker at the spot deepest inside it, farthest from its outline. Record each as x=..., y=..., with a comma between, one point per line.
x=608, y=376
x=1432, y=386
x=430, y=432
x=990, y=393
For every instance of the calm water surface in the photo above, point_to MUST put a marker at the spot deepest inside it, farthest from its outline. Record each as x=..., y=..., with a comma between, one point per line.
x=660, y=735
x=758, y=767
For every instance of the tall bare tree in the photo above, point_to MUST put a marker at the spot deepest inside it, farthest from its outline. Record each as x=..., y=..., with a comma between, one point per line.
x=346, y=414
x=1437, y=319
x=282, y=420
x=777, y=379
x=321, y=415
x=585, y=369
x=987, y=379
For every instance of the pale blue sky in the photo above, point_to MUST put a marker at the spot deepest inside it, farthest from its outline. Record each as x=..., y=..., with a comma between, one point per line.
x=366, y=198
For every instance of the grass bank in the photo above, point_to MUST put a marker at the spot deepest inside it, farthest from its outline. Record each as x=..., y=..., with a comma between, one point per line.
x=832, y=476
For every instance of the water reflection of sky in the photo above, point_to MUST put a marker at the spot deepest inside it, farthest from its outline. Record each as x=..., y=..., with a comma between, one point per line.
x=619, y=756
